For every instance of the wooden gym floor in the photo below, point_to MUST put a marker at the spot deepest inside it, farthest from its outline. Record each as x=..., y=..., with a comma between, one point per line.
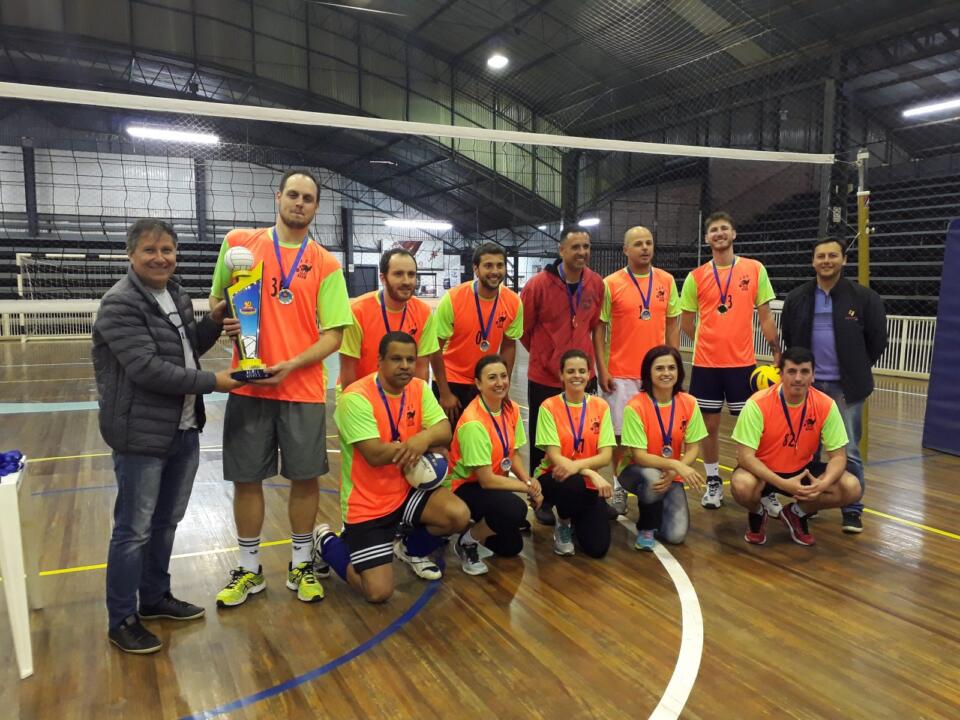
x=861, y=626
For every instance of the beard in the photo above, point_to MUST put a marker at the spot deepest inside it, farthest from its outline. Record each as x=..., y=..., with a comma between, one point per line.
x=295, y=223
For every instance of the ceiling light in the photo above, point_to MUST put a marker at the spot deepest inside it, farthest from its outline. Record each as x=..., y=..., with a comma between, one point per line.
x=419, y=224
x=589, y=222
x=497, y=61
x=541, y=227
x=932, y=108
x=156, y=133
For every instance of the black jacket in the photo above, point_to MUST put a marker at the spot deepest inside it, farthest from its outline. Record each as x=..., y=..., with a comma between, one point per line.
x=859, y=329
x=138, y=362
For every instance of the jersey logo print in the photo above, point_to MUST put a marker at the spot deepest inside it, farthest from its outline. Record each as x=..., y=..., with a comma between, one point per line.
x=501, y=320
x=744, y=284
x=304, y=270
x=661, y=292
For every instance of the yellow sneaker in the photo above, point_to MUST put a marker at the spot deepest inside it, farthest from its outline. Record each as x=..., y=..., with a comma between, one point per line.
x=302, y=579
x=242, y=583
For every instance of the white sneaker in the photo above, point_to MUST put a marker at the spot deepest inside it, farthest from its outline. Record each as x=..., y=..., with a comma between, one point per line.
x=619, y=499
x=423, y=567
x=713, y=496
x=563, y=540
x=320, y=567
x=470, y=561
x=771, y=503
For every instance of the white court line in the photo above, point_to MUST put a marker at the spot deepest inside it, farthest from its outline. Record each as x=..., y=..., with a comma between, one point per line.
x=691, y=638
x=900, y=392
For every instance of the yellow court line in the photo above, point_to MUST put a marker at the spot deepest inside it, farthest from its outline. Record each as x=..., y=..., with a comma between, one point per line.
x=911, y=523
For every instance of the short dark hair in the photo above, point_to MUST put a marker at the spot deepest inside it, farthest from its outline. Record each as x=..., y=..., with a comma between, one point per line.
x=573, y=353
x=394, y=336
x=148, y=226
x=798, y=356
x=823, y=241
x=487, y=360
x=391, y=253
x=574, y=230
x=489, y=248
x=299, y=171
x=646, y=367
x=719, y=215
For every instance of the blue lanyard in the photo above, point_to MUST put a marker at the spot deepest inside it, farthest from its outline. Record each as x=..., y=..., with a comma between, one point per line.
x=579, y=292
x=383, y=311
x=504, y=434
x=577, y=434
x=644, y=299
x=716, y=277
x=667, y=435
x=394, y=424
x=485, y=328
x=287, y=277
x=786, y=413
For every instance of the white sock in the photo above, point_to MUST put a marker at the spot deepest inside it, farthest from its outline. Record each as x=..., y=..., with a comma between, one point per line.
x=302, y=545
x=566, y=523
x=249, y=553
x=616, y=483
x=712, y=469
x=467, y=538
x=798, y=511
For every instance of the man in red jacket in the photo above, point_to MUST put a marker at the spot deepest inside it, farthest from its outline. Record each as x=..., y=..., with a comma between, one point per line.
x=561, y=310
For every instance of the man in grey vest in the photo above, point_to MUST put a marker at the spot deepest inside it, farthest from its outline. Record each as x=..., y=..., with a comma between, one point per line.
x=146, y=350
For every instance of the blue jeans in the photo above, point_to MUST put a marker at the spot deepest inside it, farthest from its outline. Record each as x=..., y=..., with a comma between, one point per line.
x=666, y=512
x=853, y=421
x=152, y=495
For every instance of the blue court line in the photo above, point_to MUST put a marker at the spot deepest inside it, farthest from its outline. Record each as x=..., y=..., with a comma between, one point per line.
x=323, y=669
x=899, y=459
x=114, y=487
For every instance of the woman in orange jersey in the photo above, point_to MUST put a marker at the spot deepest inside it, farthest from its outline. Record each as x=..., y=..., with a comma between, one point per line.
x=662, y=427
x=576, y=433
x=484, y=457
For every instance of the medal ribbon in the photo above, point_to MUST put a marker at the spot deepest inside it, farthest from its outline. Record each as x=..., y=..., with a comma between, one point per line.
x=484, y=327
x=786, y=414
x=716, y=277
x=504, y=434
x=287, y=277
x=577, y=434
x=394, y=424
x=644, y=299
x=570, y=293
x=667, y=435
x=383, y=311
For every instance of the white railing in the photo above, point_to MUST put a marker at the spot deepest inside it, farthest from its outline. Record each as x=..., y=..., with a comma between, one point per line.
x=909, y=350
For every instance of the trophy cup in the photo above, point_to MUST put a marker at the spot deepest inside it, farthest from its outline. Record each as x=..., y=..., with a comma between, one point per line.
x=243, y=300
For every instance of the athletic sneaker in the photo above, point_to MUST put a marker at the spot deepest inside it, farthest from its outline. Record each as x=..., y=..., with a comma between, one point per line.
x=302, y=579
x=619, y=499
x=758, y=537
x=852, y=522
x=319, y=533
x=563, y=540
x=132, y=637
x=423, y=567
x=771, y=503
x=169, y=607
x=797, y=525
x=713, y=496
x=470, y=561
x=242, y=583
x=644, y=541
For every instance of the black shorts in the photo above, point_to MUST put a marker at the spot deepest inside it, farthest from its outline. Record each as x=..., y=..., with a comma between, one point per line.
x=371, y=542
x=815, y=467
x=463, y=391
x=711, y=386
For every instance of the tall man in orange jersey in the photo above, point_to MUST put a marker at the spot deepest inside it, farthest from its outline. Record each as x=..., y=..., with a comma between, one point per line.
x=386, y=422
x=376, y=313
x=640, y=309
x=778, y=437
x=474, y=319
x=303, y=287
x=724, y=293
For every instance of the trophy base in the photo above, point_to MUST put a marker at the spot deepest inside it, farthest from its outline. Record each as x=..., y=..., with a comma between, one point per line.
x=250, y=374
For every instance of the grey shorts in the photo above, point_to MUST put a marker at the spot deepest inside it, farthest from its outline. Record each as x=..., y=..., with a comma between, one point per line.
x=254, y=429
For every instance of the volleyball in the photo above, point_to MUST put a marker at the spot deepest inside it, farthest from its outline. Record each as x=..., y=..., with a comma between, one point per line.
x=238, y=258
x=763, y=377
x=429, y=471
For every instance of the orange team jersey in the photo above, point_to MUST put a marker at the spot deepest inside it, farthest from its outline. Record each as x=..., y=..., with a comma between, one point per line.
x=474, y=416
x=554, y=429
x=458, y=324
x=763, y=427
x=726, y=339
x=362, y=341
x=368, y=492
x=630, y=335
x=319, y=293
x=641, y=429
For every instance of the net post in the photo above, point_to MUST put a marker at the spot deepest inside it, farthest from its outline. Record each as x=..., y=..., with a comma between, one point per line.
x=863, y=267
